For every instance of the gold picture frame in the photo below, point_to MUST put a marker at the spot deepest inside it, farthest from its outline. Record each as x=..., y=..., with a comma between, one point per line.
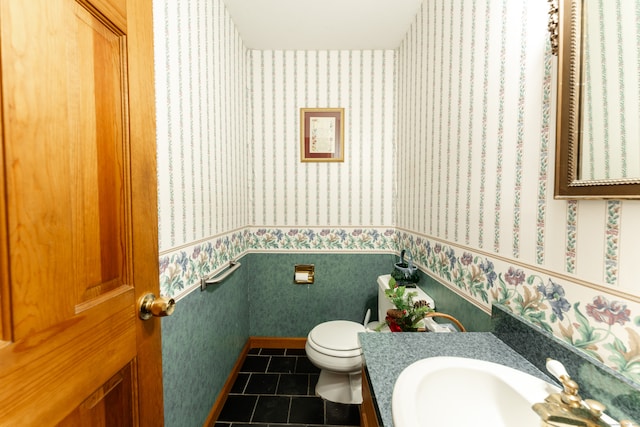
x=322, y=134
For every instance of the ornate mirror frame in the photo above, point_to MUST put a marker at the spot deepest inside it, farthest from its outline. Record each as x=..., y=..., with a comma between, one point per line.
x=565, y=28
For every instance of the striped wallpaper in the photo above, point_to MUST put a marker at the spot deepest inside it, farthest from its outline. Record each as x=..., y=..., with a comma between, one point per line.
x=611, y=91
x=357, y=192
x=476, y=111
x=201, y=122
x=449, y=151
x=475, y=135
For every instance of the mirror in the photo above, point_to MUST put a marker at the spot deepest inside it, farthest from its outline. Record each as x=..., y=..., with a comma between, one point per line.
x=598, y=112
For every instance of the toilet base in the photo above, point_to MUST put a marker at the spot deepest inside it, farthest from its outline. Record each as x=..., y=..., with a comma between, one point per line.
x=340, y=388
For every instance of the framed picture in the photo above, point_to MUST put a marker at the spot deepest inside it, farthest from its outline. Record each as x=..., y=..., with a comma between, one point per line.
x=322, y=134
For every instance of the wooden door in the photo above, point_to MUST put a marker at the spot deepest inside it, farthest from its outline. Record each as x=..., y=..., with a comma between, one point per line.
x=78, y=217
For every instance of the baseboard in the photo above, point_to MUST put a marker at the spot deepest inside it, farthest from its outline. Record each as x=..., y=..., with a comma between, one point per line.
x=231, y=379
x=276, y=342
x=252, y=342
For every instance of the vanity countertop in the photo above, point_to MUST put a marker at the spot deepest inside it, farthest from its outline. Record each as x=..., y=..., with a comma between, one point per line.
x=387, y=354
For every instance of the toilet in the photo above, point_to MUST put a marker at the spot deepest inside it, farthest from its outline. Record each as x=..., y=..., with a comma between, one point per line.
x=334, y=347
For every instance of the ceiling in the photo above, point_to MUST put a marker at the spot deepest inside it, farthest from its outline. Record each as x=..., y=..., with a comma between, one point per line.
x=322, y=24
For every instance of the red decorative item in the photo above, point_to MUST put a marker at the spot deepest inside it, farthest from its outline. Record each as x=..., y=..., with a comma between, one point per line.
x=393, y=326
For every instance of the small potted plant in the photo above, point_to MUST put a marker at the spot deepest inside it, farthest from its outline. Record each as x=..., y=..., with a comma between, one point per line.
x=409, y=314
x=404, y=272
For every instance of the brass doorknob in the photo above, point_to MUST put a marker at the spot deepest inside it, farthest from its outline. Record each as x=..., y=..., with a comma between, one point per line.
x=158, y=307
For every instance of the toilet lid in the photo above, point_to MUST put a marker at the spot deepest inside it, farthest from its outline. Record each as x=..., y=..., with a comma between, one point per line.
x=340, y=335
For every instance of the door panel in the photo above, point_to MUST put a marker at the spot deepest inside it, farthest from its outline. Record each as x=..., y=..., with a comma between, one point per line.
x=48, y=374
x=65, y=179
x=75, y=117
x=96, y=408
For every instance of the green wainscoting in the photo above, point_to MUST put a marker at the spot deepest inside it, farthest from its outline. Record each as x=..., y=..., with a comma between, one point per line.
x=206, y=334
x=345, y=286
x=201, y=342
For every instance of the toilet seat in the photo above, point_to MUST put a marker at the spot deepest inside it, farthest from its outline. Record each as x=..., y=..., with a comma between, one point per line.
x=337, y=338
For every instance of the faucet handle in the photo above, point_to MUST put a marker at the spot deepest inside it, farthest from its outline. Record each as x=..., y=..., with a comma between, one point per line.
x=569, y=394
x=556, y=369
x=596, y=408
x=567, y=407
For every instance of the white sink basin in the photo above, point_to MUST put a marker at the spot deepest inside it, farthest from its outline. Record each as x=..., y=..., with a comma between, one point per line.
x=455, y=391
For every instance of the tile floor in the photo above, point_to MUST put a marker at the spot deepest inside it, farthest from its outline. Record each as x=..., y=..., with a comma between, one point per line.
x=276, y=387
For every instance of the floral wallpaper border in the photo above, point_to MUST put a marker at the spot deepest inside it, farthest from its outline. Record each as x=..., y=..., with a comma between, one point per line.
x=181, y=269
x=595, y=322
x=356, y=239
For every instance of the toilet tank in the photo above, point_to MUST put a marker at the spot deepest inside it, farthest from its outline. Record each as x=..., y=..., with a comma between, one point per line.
x=384, y=303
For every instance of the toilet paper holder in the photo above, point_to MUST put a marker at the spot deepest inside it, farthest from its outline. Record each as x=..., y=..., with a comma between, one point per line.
x=304, y=274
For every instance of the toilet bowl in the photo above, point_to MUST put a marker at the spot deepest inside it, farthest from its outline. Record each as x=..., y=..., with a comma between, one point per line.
x=334, y=347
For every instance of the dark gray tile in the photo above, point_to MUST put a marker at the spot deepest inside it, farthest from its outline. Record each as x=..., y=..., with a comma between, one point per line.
x=285, y=364
x=304, y=366
x=271, y=409
x=272, y=399
x=307, y=410
x=255, y=364
x=293, y=384
x=296, y=352
x=238, y=408
x=262, y=384
x=272, y=351
x=341, y=414
x=240, y=383
x=313, y=380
